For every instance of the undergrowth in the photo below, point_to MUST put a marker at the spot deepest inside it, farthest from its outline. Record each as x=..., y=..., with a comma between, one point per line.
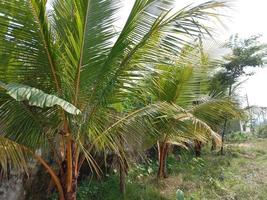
x=239, y=174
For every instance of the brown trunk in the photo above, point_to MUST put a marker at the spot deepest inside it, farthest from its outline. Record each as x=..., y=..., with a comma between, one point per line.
x=69, y=194
x=225, y=123
x=213, y=145
x=122, y=168
x=55, y=178
x=162, y=157
x=223, y=133
x=198, y=146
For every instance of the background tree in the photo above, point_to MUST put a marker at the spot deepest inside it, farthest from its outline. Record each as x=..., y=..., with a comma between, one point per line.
x=244, y=53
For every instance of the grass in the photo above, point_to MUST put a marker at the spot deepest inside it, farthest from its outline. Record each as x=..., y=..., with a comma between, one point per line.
x=108, y=189
x=240, y=174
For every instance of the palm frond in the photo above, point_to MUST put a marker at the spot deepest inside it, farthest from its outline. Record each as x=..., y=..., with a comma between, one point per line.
x=214, y=111
x=36, y=97
x=12, y=156
x=84, y=31
x=24, y=38
x=23, y=124
x=143, y=127
x=141, y=46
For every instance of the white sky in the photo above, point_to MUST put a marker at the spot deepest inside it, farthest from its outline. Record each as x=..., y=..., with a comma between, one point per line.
x=247, y=18
x=250, y=18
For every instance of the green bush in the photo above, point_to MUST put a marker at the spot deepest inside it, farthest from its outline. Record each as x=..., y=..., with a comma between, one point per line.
x=143, y=170
x=262, y=131
x=238, y=136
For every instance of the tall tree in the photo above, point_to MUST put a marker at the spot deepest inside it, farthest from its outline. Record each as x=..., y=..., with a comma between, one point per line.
x=244, y=53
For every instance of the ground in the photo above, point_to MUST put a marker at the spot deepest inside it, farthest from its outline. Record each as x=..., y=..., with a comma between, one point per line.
x=241, y=174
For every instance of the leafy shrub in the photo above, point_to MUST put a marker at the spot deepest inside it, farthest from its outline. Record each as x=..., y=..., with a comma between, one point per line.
x=262, y=131
x=238, y=136
x=143, y=170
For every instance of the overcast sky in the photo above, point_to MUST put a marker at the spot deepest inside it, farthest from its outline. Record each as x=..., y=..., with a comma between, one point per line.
x=250, y=18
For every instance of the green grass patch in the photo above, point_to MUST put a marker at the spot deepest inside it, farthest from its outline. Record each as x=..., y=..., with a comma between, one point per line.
x=108, y=189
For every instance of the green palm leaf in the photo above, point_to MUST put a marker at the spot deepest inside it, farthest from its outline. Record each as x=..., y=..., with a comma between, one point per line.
x=25, y=38
x=36, y=97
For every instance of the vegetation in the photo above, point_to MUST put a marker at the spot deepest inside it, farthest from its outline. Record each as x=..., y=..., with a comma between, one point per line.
x=186, y=87
x=239, y=174
x=75, y=90
x=244, y=53
x=262, y=131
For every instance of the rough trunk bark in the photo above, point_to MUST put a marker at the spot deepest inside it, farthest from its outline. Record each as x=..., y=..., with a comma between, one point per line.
x=162, y=157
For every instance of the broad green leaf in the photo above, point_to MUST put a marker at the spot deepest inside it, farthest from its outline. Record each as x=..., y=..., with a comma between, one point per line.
x=38, y=98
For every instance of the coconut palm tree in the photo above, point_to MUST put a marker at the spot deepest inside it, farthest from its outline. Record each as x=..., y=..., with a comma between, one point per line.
x=62, y=70
x=186, y=88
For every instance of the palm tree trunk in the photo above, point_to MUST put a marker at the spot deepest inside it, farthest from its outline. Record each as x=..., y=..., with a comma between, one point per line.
x=162, y=158
x=69, y=188
x=71, y=195
x=223, y=134
x=198, y=146
x=213, y=145
x=122, y=179
x=54, y=177
x=122, y=166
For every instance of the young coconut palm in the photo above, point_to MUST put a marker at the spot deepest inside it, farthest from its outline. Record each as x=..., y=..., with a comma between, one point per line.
x=182, y=87
x=62, y=71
